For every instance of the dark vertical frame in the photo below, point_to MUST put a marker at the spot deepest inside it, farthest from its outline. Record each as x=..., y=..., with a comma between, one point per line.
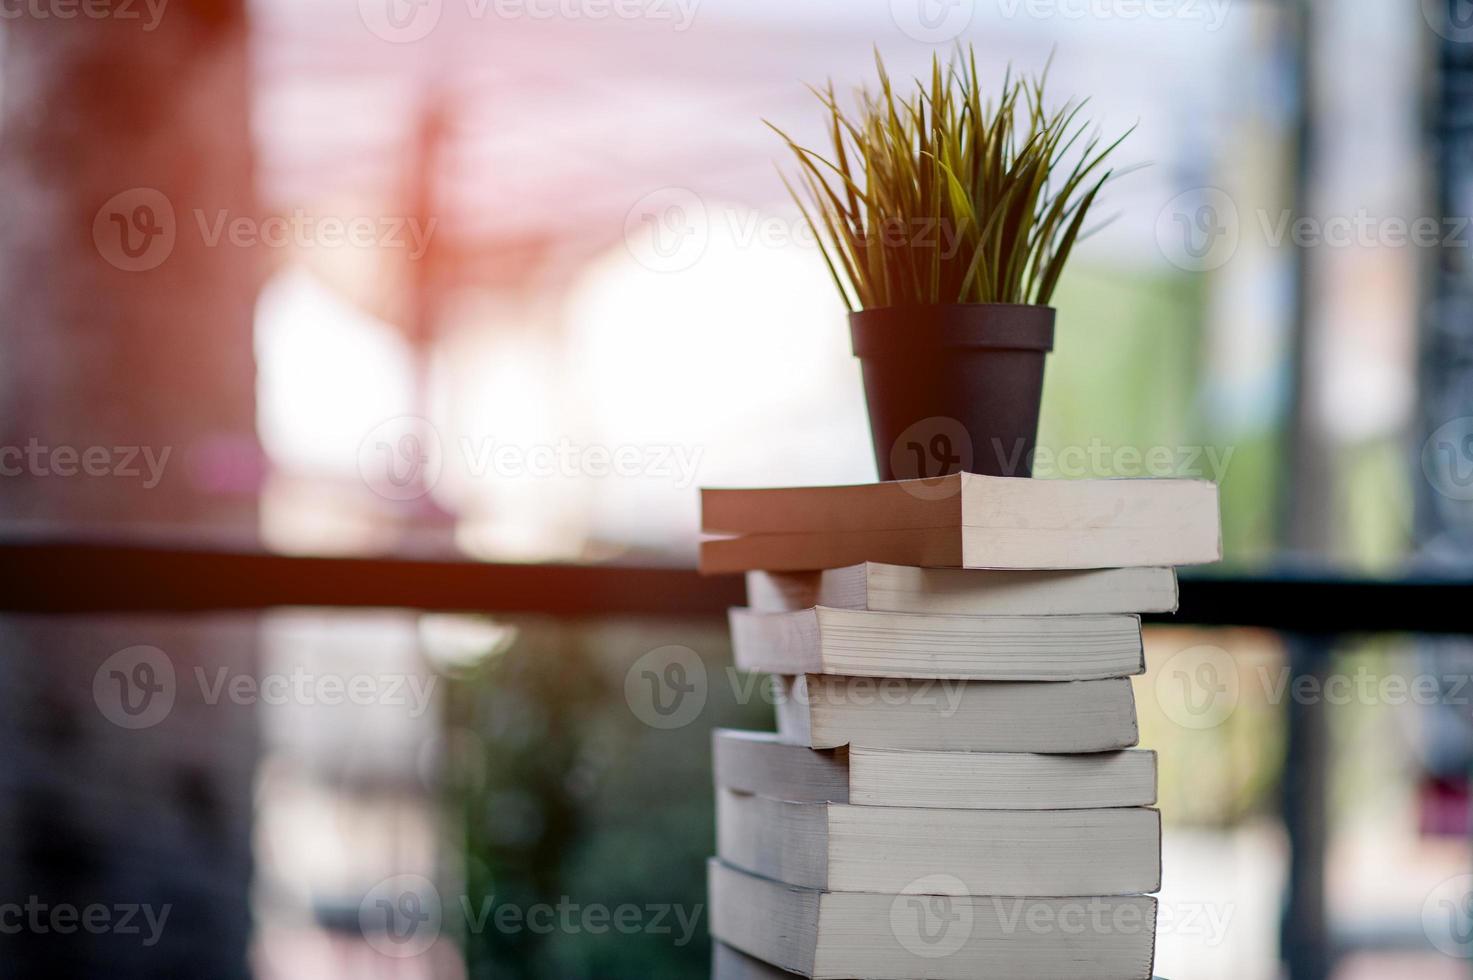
x=1443, y=526
x=1305, y=946
x=1445, y=370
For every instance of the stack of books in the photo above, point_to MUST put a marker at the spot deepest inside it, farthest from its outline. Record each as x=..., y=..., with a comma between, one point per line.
x=952, y=790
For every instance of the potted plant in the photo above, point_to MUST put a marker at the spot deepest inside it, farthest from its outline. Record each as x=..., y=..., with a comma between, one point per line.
x=945, y=219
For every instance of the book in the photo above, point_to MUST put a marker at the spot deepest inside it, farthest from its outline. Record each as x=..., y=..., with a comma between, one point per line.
x=730, y=963
x=919, y=936
x=1079, y=507
x=845, y=848
x=963, y=521
x=761, y=763
x=824, y=711
x=861, y=643
x=939, y=547
x=967, y=591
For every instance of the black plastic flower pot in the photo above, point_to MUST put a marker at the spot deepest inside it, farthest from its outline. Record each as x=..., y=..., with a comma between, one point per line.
x=953, y=388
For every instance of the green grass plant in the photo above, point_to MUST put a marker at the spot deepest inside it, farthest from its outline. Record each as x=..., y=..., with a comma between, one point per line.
x=940, y=195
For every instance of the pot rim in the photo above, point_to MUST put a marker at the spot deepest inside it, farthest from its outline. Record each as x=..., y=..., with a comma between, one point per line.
x=896, y=330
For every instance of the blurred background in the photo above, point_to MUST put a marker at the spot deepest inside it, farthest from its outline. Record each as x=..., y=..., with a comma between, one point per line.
x=475, y=294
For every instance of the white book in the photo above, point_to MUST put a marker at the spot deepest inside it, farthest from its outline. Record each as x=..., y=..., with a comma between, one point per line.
x=968, y=591
x=730, y=963
x=964, y=521
x=860, y=643
x=761, y=763
x=845, y=848
x=915, y=935
x=824, y=711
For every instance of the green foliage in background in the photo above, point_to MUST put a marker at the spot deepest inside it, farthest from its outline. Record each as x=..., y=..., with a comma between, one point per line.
x=560, y=795
x=943, y=195
x=1129, y=374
